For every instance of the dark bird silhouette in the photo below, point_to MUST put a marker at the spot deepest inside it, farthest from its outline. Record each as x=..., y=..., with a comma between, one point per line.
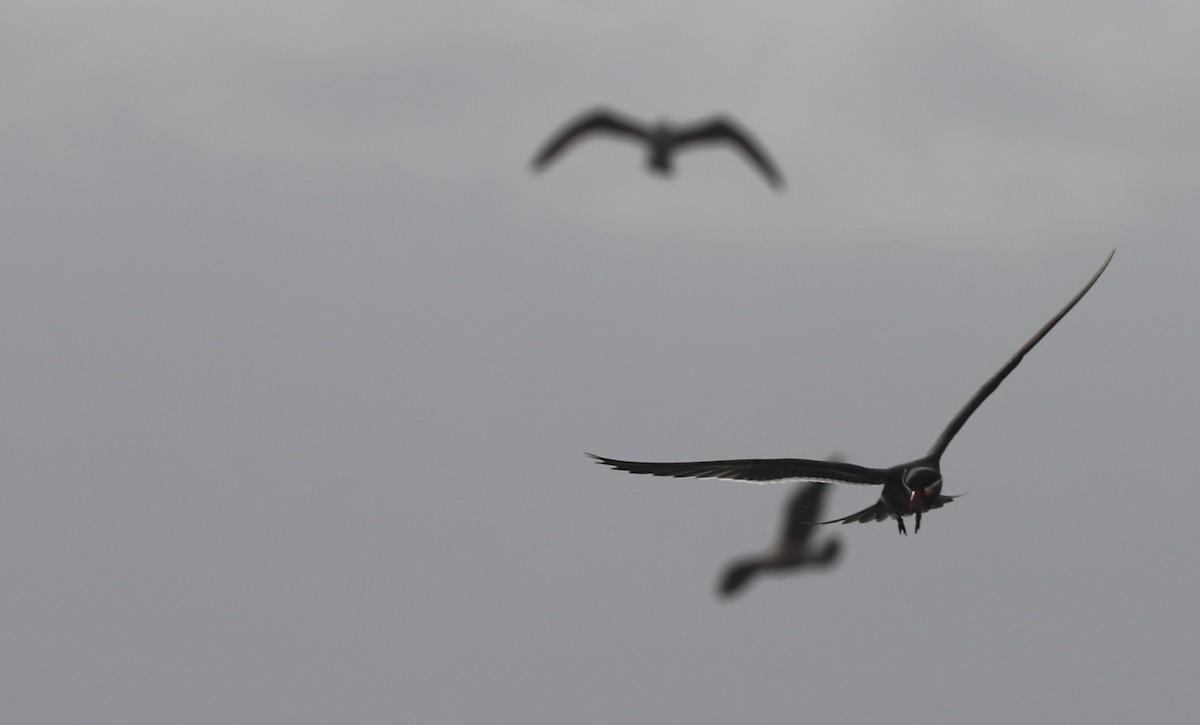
x=792, y=550
x=662, y=139
x=908, y=489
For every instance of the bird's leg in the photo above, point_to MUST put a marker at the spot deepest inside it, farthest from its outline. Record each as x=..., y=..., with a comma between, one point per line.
x=918, y=526
x=900, y=521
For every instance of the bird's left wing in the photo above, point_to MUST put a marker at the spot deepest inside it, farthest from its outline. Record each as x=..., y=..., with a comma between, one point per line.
x=721, y=129
x=939, y=446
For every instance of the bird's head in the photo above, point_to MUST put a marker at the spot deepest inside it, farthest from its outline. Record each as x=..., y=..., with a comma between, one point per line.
x=922, y=483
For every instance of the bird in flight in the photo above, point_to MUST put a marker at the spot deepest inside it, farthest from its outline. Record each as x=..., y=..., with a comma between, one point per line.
x=792, y=551
x=662, y=139
x=911, y=488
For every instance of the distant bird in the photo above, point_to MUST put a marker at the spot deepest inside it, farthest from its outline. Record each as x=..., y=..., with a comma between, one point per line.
x=909, y=488
x=662, y=139
x=792, y=551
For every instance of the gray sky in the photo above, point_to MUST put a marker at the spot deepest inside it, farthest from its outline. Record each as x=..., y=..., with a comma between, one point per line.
x=300, y=361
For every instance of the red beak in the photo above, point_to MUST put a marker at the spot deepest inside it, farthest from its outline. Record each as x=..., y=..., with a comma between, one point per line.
x=914, y=500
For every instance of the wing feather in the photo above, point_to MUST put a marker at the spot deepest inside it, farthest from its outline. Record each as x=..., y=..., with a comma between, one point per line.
x=756, y=470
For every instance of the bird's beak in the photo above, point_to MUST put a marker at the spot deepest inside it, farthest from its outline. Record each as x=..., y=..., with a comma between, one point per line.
x=914, y=506
x=914, y=500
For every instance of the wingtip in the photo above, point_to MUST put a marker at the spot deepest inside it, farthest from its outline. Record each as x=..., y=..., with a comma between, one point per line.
x=544, y=156
x=1103, y=266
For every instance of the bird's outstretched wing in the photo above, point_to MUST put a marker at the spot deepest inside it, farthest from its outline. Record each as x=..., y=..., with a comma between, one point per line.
x=939, y=447
x=804, y=508
x=722, y=129
x=757, y=470
x=600, y=119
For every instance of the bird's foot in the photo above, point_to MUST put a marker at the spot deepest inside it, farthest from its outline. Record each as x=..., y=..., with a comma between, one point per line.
x=900, y=522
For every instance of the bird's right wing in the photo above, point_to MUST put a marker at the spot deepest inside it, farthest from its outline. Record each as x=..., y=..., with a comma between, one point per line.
x=757, y=470
x=723, y=129
x=600, y=119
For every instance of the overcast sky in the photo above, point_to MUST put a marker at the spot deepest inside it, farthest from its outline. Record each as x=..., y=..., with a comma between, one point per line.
x=301, y=361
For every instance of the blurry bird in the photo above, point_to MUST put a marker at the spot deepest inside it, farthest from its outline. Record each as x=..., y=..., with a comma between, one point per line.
x=908, y=489
x=662, y=139
x=792, y=550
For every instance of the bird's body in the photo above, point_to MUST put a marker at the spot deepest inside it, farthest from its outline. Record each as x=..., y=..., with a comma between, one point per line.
x=662, y=140
x=907, y=489
x=792, y=551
